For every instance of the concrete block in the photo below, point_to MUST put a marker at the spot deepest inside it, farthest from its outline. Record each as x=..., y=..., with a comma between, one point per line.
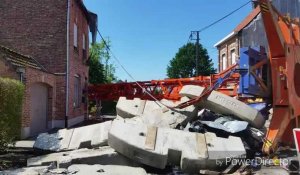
x=90, y=136
x=105, y=169
x=24, y=144
x=70, y=139
x=103, y=155
x=221, y=148
x=160, y=116
x=223, y=104
x=191, y=91
x=130, y=108
x=158, y=147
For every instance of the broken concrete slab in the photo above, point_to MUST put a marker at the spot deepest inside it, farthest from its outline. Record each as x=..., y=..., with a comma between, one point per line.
x=26, y=171
x=78, y=169
x=130, y=108
x=157, y=147
x=23, y=144
x=57, y=141
x=191, y=91
x=223, y=104
x=90, y=136
x=156, y=114
x=103, y=155
x=70, y=139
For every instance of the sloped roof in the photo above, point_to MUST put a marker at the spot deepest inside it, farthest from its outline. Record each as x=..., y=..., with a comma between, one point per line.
x=20, y=60
x=241, y=26
x=247, y=20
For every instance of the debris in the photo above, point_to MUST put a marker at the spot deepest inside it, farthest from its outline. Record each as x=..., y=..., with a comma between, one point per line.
x=227, y=124
x=103, y=155
x=78, y=169
x=223, y=104
x=130, y=108
x=70, y=139
x=26, y=171
x=151, y=113
x=192, y=151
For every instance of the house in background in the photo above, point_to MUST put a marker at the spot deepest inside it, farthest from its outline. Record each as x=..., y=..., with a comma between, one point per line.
x=45, y=44
x=250, y=32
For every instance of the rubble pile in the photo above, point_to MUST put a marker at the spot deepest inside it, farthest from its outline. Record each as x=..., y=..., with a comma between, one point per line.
x=147, y=136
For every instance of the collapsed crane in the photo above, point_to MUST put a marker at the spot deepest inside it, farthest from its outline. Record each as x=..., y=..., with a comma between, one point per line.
x=283, y=61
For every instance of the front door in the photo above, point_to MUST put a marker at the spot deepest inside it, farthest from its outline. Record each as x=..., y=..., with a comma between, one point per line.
x=39, y=108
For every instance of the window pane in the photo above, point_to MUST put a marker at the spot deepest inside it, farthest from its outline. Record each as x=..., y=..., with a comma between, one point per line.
x=224, y=59
x=233, y=60
x=83, y=41
x=75, y=35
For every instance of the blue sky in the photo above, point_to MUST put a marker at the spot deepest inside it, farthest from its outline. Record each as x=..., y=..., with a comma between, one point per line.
x=145, y=35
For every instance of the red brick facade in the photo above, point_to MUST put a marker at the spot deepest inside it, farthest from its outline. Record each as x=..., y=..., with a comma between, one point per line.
x=39, y=29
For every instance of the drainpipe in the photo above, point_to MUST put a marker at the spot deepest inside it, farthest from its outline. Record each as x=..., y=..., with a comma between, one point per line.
x=68, y=58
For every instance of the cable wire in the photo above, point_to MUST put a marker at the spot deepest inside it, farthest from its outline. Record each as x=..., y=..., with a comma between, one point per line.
x=135, y=81
x=224, y=17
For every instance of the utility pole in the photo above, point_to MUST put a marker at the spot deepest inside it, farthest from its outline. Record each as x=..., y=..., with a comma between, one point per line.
x=192, y=37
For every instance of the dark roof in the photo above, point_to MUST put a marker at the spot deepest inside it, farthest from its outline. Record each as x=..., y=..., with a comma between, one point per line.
x=92, y=19
x=253, y=14
x=20, y=60
x=247, y=20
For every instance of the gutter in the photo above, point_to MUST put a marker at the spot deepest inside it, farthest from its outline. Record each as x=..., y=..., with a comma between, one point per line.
x=68, y=59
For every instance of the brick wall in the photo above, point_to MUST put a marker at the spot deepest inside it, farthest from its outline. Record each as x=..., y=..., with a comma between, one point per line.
x=225, y=49
x=38, y=28
x=77, y=56
x=36, y=76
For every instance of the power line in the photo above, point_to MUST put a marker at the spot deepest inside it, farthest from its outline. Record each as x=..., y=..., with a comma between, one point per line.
x=224, y=17
x=135, y=81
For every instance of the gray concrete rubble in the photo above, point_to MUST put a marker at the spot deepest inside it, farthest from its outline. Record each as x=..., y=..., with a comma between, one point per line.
x=103, y=155
x=70, y=139
x=105, y=170
x=130, y=108
x=158, y=147
x=156, y=114
x=26, y=171
x=223, y=104
x=78, y=169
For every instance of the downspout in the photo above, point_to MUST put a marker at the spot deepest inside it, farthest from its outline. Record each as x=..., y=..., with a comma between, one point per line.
x=68, y=58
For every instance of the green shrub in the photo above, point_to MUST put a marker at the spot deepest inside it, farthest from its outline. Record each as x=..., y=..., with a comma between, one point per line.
x=11, y=97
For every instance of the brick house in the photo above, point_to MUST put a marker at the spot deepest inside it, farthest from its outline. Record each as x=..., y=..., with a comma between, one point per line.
x=55, y=36
x=250, y=32
x=229, y=46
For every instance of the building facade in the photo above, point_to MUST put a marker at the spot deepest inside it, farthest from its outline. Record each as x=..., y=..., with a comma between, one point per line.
x=250, y=32
x=54, y=33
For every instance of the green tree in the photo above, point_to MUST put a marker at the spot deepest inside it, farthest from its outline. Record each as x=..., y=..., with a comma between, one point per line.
x=184, y=63
x=100, y=68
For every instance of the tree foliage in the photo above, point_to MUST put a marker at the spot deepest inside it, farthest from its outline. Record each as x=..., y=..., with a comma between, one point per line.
x=184, y=63
x=11, y=98
x=100, y=68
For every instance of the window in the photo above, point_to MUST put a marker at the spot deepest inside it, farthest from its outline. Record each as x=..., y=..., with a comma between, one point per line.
x=75, y=35
x=224, y=60
x=83, y=42
x=77, y=91
x=232, y=54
